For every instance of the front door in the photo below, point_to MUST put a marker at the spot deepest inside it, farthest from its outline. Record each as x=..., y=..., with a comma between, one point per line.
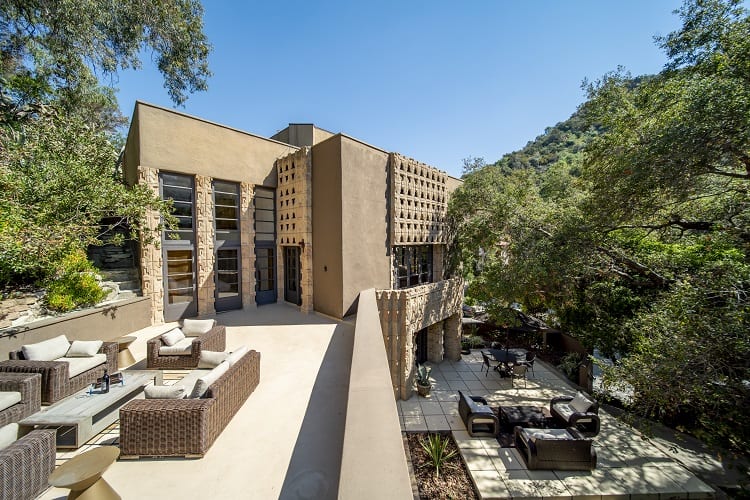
x=228, y=279
x=292, y=275
x=422, y=346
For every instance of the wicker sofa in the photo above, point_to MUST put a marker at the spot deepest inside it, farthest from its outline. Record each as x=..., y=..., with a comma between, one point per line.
x=29, y=385
x=187, y=427
x=555, y=449
x=56, y=380
x=212, y=340
x=25, y=465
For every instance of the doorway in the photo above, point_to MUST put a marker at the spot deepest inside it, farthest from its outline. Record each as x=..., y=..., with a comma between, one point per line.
x=292, y=275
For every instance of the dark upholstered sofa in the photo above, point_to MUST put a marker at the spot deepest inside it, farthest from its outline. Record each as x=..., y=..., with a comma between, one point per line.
x=555, y=449
x=187, y=427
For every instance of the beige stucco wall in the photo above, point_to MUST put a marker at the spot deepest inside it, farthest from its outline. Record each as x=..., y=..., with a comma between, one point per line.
x=302, y=134
x=167, y=140
x=326, y=217
x=451, y=184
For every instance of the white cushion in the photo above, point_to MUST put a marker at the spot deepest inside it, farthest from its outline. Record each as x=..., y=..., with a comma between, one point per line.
x=211, y=359
x=203, y=383
x=164, y=391
x=183, y=347
x=236, y=355
x=8, y=435
x=172, y=336
x=581, y=403
x=8, y=399
x=549, y=433
x=76, y=366
x=47, y=350
x=193, y=327
x=83, y=348
x=565, y=410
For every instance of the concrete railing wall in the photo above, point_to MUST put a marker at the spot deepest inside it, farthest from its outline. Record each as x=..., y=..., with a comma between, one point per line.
x=373, y=464
x=105, y=322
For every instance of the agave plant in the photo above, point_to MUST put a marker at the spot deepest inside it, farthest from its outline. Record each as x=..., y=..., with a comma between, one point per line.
x=436, y=447
x=423, y=375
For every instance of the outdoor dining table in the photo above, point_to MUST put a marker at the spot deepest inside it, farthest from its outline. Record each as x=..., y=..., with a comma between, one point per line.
x=507, y=358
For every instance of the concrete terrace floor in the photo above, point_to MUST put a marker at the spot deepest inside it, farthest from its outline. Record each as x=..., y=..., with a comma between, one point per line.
x=285, y=441
x=629, y=465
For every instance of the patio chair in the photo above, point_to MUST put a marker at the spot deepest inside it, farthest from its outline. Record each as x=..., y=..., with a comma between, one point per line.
x=488, y=363
x=529, y=362
x=478, y=418
x=579, y=412
x=25, y=465
x=518, y=371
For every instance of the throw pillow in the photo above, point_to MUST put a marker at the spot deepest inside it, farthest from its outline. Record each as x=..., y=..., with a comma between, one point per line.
x=192, y=327
x=581, y=403
x=235, y=355
x=8, y=434
x=47, y=350
x=203, y=383
x=164, y=391
x=172, y=336
x=83, y=348
x=211, y=359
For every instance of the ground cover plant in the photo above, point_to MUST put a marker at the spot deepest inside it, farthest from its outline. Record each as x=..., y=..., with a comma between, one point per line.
x=450, y=479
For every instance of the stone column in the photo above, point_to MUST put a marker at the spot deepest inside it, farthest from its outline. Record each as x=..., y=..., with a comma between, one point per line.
x=204, y=244
x=247, y=247
x=452, y=339
x=152, y=273
x=435, y=342
x=438, y=254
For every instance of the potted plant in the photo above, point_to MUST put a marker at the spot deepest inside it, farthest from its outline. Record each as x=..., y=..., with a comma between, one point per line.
x=423, y=380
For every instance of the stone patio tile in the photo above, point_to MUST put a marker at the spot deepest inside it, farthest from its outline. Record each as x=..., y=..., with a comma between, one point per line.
x=449, y=407
x=490, y=485
x=415, y=423
x=579, y=484
x=410, y=407
x=475, y=385
x=506, y=459
x=451, y=375
x=455, y=422
x=492, y=384
x=464, y=441
x=667, y=484
x=437, y=423
x=467, y=376
x=614, y=483
x=477, y=459
x=528, y=488
x=457, y=385
x=694, y=486
x=464, y=367
x=431, y=408
x=445, y=396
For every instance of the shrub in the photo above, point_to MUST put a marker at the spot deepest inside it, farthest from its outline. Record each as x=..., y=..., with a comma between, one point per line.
x=436, y=447
x=569, y=365
x=74, y=285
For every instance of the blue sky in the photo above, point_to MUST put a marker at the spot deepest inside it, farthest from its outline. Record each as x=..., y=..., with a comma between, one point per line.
x=438, y=81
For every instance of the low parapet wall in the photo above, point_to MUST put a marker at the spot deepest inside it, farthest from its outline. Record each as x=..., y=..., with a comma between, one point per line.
x=373, y=462
x=106, y=322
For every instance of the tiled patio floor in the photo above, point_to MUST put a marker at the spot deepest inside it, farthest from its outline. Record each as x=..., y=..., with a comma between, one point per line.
x=629, y=465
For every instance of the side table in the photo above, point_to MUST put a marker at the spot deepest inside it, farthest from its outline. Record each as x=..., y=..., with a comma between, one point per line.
x=83, y=474
x=124, y=356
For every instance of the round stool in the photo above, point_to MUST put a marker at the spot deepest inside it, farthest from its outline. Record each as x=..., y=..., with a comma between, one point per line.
x=83, y=474
x=124, y=356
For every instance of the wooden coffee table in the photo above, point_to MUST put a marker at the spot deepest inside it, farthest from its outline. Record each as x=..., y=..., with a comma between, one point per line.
x=82, y=416
x=83, y=474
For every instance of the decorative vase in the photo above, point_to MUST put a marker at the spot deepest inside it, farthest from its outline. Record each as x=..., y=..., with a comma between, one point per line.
x=424, y=390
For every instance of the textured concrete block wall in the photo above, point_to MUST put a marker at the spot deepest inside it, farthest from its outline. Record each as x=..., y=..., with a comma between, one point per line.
x=204, y=244
x=247, y=245
x=152, y=278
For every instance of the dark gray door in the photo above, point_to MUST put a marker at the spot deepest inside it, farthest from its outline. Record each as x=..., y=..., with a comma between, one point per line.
x=265, y=246
x=292, y=275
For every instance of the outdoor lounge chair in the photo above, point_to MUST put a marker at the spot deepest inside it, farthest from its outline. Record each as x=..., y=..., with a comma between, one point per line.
x=20, y=396
x=25, y=465
x=479, y=418
x=555, y=449
x=579, y=412
x=488, y=363
x=186, y=352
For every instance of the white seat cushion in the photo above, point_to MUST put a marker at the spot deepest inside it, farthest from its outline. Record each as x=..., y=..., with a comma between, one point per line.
x=564, y=409
x=195, y=327
x=211, y=359
x=236, y=355
x=548, y=433
x=76, y=366
x=175, y=391
x=8, y=435
x=83, y=348
x=203, y=383
x=172, y=336
x=183, y=347
x=581, y=403
x=8, y=399
x=47, y=350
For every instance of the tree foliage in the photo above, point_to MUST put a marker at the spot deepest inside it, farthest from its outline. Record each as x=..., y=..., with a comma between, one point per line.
x=634, y=234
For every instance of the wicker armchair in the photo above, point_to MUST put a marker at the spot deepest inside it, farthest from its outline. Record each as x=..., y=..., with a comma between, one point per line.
x=187, y=427
x=478, y=418
x=587, y=422
x=26, y=464
x=30, y=387
x=56, y=384
x=213, y=340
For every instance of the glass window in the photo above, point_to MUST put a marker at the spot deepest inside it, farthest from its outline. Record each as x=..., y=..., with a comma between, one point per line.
x=179, y=276
x=227, y=205
x=412, y=265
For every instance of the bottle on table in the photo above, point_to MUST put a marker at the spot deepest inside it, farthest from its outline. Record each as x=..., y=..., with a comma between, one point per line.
x=105, y=382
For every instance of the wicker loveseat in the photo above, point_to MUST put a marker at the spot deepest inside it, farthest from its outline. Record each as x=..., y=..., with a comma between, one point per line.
x=555, y=449
x=29, y=386
x=57, y=382
x=25, y=465
x=187, y=427
x=186, y=353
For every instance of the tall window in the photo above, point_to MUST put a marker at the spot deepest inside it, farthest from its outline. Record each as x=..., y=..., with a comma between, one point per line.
x=227, y=245
x=412, y=265
x=179, y=188
x=265, y=245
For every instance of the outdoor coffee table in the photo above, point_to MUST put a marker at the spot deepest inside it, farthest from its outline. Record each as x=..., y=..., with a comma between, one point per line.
x=525, y=416
x=83, y=474
x=82, y=416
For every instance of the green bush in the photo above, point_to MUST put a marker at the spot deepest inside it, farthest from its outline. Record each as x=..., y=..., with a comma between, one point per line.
x=74, y=284
x=437, y=449
x=569, y=365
